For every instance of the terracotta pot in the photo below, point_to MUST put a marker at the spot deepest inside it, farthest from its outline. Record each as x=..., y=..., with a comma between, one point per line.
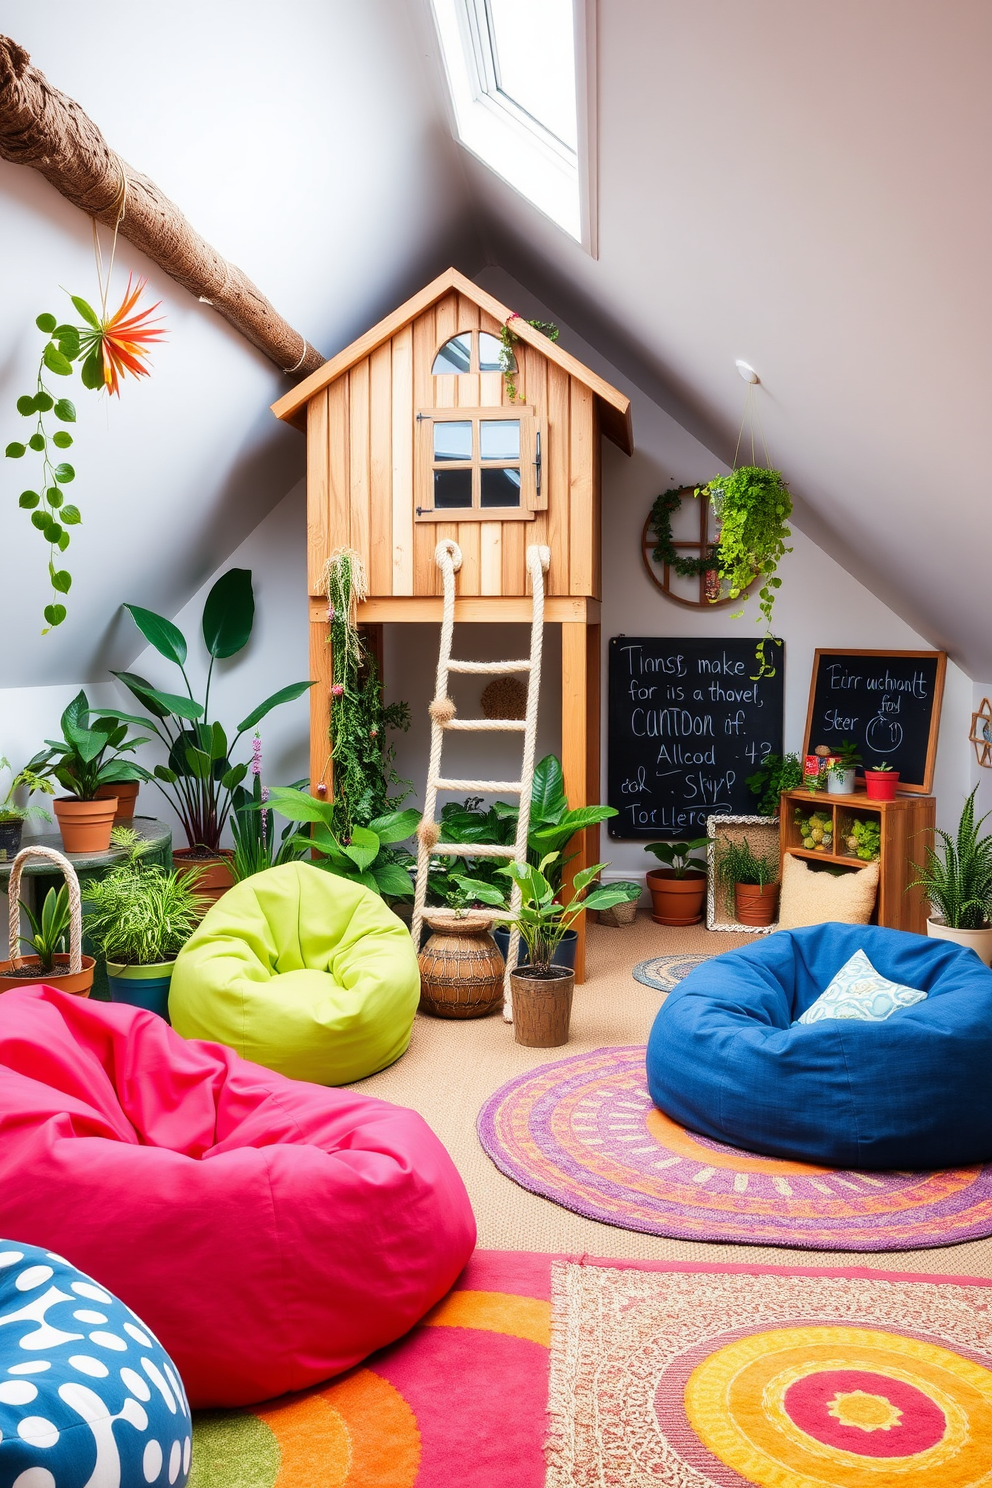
x=980, y=941
x=676, y=901
x=126, y=792
x=78, y=985
x=881, y=785
x=216, y=874
x=542, y=1007
x=85, y=825
x=461, y=969
x=756, y=904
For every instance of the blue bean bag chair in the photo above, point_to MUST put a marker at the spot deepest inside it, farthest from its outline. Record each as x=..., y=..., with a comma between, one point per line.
x=914, y=1091
x=88, y=1396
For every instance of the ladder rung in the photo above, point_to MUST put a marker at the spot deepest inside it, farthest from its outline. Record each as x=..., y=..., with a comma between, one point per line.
x=478, y=725
x=477, y=785
x=471, y=850
x=488, y=666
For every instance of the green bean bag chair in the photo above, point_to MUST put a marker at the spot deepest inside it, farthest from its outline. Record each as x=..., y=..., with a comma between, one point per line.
x=300, y=971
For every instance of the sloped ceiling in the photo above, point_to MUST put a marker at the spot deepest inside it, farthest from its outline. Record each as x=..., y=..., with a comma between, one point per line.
x=805, y=187
x=304, y=141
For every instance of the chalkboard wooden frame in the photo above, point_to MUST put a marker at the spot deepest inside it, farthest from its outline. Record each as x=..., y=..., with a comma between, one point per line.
x=917, y=787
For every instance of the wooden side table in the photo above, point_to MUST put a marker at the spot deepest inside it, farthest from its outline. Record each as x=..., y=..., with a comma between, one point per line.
x=38, y=876
x=906, y=828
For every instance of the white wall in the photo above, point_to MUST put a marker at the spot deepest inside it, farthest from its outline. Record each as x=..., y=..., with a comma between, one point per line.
x=819, y=604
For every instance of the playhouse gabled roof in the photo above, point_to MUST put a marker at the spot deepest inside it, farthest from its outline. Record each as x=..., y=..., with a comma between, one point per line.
x=614, y=408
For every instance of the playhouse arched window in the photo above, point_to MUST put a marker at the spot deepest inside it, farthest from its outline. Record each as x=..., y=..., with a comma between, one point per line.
x=472, y=351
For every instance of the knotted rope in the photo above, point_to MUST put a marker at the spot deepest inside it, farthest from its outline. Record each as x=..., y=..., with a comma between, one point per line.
x=75, y=905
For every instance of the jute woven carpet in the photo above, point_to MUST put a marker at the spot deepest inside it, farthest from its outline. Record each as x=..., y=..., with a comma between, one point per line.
x=583, y=1131
x=452, y=1068
x=734, y=1377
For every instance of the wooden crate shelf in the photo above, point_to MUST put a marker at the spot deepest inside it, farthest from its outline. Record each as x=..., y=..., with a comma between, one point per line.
x=906, y=827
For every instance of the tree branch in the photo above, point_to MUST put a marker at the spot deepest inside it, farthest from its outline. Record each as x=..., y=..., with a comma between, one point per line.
x=43, y=128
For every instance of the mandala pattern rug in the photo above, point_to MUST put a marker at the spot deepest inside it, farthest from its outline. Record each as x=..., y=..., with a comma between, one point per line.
x=460, y=1402
x=583, y=1133
x=677, y=1379
x=665, y=972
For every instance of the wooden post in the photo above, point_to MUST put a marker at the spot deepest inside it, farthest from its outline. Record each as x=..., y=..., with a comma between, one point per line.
x=580, y=748
x=321, y=775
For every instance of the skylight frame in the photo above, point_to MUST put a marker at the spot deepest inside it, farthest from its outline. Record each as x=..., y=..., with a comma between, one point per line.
x=558, y=181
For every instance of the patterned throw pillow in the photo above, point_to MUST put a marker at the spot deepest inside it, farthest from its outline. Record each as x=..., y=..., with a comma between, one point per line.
x=87, y=1395
x=859, y=991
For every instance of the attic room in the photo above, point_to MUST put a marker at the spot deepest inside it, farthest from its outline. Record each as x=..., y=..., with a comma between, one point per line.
x=495, y=758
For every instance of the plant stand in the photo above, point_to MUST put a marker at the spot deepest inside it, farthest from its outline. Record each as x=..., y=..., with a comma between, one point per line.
x=905, y=826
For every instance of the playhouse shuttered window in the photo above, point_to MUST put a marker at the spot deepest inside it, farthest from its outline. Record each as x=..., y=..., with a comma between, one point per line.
x=479, y=464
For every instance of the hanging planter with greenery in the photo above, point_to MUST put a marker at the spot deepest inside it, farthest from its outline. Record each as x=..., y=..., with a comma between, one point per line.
x=753, y=506
x=361, y=756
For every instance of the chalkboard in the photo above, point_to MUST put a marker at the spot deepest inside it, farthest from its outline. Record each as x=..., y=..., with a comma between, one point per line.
x=687, y=725
x=886, y=702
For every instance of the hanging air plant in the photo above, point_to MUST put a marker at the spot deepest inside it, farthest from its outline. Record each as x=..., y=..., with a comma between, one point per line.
x=104, y=347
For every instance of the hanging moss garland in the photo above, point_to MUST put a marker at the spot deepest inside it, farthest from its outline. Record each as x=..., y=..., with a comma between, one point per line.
x=361, y=755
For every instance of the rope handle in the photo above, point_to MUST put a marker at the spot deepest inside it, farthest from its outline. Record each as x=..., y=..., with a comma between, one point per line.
x=75, y=905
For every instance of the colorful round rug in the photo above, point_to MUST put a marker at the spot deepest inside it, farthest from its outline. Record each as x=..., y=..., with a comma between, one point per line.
x=665, y=972
x=584, y=1133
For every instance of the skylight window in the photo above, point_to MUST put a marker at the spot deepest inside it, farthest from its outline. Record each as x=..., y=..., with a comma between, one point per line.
x=518, y=76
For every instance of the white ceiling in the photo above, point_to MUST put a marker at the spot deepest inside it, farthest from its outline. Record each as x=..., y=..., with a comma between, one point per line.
x=802, y=186
x=806, y=187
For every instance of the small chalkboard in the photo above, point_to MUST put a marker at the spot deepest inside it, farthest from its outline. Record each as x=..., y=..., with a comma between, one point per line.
x=688, y=724
x=886, y=702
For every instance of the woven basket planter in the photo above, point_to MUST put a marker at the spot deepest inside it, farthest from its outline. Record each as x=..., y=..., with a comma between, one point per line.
x=75, y=971
x=619, y=915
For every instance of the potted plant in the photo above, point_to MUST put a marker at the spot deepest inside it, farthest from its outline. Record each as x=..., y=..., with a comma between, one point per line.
x=957, y=879
x=678, y=891
x=56, y=934
x=88, y=756
x=881, y=782
x=257, y=846
x=542, y=991
x=751, y=881
x=842, y=772
x=752, y=506
x=775, y=774
x=14, y=813
x=139, y=917
x=199, y=779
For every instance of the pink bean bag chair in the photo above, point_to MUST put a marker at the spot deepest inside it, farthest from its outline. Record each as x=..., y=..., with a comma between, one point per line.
x=271, y=1232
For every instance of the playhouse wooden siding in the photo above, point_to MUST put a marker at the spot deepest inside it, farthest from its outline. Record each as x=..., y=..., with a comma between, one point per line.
x=360, y=467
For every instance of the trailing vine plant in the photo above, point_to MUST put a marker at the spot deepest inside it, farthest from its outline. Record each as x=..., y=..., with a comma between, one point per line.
x=104, y=347
x=361, y=754
x=508, y=340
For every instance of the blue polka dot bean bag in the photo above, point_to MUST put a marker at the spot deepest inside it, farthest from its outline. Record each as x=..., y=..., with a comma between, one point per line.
x=88, y=1397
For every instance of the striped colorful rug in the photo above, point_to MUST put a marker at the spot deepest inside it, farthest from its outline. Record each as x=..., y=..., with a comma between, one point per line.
x=583, y=1132
x=664, y=1373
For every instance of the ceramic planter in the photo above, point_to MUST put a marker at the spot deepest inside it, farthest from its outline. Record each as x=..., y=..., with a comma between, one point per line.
x=841, y=785
x=461, y=969
x=141, y=986
x=10, y=839
x=881, y=785
x=542, y=1006
x=217, y=875
x=85, y=825
x=980, y=941
x=27, y=973
x=756, y=904
x=126, y=792
x=564, y=951
x=676, y=901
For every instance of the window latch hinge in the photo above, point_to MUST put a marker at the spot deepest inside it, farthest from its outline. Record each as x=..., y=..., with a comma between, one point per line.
x=422, y=416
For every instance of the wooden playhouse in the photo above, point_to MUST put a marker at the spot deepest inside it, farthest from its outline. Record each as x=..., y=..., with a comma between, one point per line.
x=413, y=437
